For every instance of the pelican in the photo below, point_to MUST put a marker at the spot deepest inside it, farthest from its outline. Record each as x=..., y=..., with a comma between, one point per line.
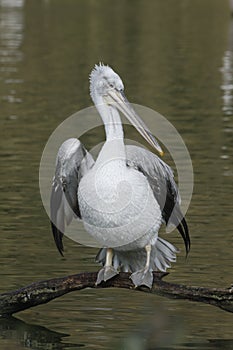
x=123, y=197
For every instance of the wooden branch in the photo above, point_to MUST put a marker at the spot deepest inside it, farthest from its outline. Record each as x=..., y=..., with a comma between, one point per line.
x=42, y=292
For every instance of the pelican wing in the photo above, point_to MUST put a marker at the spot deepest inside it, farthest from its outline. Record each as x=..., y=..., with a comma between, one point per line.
x=73, y=161
x=161, y=179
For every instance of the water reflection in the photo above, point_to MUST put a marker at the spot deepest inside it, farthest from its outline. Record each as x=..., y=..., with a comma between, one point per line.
x=12, y=3
x=227, y=86
x=11, y=37
x=24, y=335
x=30, y=336
x=227, y=108
x=227, y=74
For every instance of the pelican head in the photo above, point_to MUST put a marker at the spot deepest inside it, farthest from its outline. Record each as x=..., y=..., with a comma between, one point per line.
x=102, y=80
x=106, y=87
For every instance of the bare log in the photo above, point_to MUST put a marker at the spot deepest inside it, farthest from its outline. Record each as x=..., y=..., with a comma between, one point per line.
x=42, y=292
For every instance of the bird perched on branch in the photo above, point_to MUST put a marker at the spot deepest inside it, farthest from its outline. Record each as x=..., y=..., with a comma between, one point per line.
x=123, y=197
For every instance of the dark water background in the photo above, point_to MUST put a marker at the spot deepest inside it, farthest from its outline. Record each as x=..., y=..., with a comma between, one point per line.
x=175, y=57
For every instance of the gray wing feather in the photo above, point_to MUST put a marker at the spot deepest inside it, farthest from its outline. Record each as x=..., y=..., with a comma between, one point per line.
x=72, y=162
x=161, y=179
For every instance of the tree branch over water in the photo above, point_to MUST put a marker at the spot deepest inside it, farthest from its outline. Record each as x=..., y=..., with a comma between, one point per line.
x=44, y=291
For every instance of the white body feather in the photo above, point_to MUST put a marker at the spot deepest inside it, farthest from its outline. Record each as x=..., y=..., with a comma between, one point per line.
x=116, y=202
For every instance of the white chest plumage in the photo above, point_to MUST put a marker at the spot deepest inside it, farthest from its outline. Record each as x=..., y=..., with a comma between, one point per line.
x=117, y=205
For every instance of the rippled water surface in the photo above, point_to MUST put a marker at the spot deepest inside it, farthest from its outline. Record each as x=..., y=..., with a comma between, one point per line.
x=175, y=57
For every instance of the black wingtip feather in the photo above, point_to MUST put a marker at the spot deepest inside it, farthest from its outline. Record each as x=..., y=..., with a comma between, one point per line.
x=184, y=231
x=57, y=235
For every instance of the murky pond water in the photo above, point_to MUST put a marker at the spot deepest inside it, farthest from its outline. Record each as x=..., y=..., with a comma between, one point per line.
x=175, y=57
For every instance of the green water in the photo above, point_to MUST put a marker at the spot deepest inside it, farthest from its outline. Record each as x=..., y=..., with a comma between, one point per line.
x=175, y=57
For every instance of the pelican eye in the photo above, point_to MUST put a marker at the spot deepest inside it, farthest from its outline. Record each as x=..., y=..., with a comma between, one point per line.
x=111, y=85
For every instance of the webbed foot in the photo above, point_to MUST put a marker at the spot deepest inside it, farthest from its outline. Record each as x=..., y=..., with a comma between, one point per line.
x=105, y=274
x=142, y=277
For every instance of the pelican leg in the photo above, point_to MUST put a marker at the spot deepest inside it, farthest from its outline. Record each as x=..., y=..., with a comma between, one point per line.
x=108, y=271
x=145, y=275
